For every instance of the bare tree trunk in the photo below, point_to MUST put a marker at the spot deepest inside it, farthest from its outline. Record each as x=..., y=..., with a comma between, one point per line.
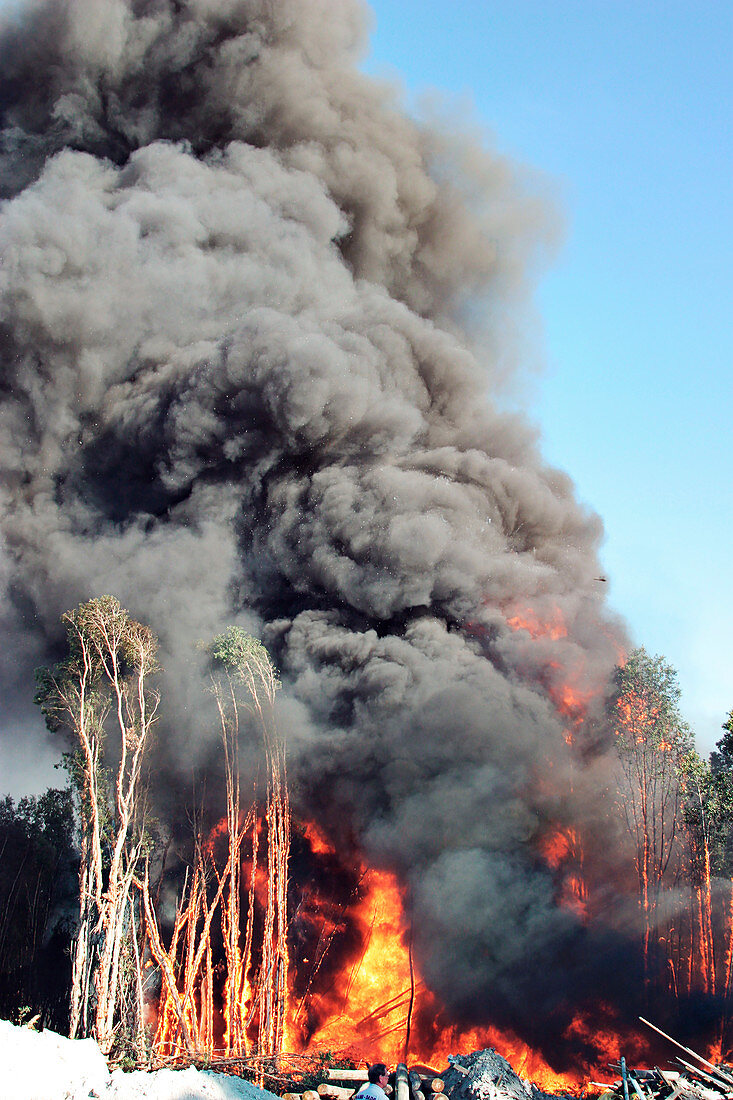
x=164, y=961
x=105, y=674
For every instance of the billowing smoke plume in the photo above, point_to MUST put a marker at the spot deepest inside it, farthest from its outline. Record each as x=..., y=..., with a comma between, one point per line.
x=243, y=380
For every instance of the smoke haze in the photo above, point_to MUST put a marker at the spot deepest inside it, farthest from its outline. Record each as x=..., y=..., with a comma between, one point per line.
x=243, y=380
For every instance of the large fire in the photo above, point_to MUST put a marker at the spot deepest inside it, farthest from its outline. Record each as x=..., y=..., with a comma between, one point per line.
x=375, y=1005
x=383, y=1006
x=353, y=984
x=369, y=1011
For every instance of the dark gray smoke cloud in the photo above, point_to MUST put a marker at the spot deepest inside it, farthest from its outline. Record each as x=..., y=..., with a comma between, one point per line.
x=243, y=380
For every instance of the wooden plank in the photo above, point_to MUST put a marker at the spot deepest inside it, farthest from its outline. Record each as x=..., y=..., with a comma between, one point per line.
x=718, y=1072
x=701, y=1073
x=335, y=1074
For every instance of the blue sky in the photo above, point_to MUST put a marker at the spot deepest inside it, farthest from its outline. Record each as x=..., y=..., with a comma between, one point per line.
x=626, y=105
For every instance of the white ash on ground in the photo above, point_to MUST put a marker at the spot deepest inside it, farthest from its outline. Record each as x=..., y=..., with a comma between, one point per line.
x=46, y=1066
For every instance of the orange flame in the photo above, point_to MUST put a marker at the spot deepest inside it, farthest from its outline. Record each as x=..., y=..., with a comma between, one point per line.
x=371, y=1007
x=553, y=628
x=382, y=991
x=379, y=1008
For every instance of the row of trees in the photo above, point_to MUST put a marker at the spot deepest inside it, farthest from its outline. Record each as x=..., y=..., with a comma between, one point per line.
x=678, y=809
x=38, y=906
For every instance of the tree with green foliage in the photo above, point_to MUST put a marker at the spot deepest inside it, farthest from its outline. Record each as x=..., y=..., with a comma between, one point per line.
x=702, y=814
x=100, y=692
x=721, y=768
x=708, y=817
x=652, y=740
x=36, y=876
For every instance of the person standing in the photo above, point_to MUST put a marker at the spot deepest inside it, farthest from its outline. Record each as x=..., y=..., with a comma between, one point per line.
x=378, y=1076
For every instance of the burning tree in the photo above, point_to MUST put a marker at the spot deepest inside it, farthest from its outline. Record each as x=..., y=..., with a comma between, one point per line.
x=678, y=809
x=707, y=810
x=98, y=692
x=243, y=675
x=721, y=770
x=708, y=819
x=243, y=679
x=184, y=1024
x=652, y=742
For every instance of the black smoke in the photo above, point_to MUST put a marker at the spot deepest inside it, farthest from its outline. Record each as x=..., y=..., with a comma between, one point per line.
x=252, y=319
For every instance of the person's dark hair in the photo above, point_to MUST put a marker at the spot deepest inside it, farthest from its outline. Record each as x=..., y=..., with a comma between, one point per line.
x=376, y=1071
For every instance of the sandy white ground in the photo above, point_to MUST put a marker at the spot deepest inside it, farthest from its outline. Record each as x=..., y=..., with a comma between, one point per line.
x=46, y=1066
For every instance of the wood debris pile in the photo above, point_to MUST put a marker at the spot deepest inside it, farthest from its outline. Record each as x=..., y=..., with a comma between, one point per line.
x=485, y=1075
x=704, y=1081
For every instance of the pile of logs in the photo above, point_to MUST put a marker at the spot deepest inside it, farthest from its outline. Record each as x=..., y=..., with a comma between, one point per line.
x=342, y=1084
x=691, y=1082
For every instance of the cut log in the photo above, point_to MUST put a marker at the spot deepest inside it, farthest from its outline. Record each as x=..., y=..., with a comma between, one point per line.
x=402, y=1082
x=343, y=1093
x=435, y=1084
x=309, y=1094
x=291, y=1096
x=335, y=1074
x=416, y=1092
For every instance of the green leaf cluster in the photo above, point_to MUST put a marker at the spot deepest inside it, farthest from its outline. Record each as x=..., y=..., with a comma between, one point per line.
x=237, y=652
x=646, y=699
x=709, y=804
